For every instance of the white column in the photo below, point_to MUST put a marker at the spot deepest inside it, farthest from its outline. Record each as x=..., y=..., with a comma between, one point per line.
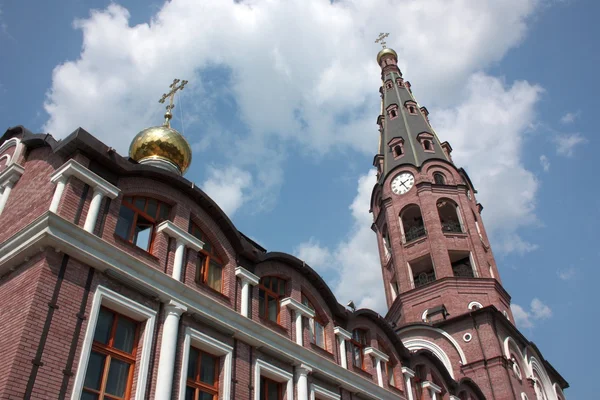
x=301, y=310
x=299, y=331
x=178, y=260
x=302, y=381
x=408, y=374
x=379, y=357
x=5, y=193
x=92, y=215
x=168, y=347
x=58, y=192
x=342, y=335
x=379, y=373
x=434, y=389
x=247, y=279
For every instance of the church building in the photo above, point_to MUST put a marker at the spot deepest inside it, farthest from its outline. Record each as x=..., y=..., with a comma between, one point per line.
x=120, y=279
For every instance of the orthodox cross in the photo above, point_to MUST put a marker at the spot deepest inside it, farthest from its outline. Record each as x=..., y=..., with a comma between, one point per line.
x=171, y=95
x=381, y=39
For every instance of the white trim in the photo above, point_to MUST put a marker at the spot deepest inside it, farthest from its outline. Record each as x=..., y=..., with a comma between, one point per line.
x=424, y=315
x=517, y=349
x=298, y=307
x=461, y=353
x=7, y=156
x=408, y=371
x=372, y=351
x=11, y=174
x=323, y=393
x=431, y=386
x=194, y=338
x=52, y=231
x=418, y=344
x=467, y=337
x=341, y=332
x=246, y=276
x=73, y=168
x=524, y=396
x=546, y=383
x=558, y=391
x=10, y=143
x=172, y=230
x=262, y=368
x=131, y=309
x=473, y=304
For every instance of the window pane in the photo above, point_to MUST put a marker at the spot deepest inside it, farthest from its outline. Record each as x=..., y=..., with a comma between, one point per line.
x=125, y=335
x=261, y=303
x=281, y=287
x=104, y=325
x=357, y=356
x=140, y=203
x=93, y=375
x=165, y=210
x=273, y=308
x=207, y=246
x=319, y=335
x=272, y=391
x=125, y=222
x=207, y=369
x=189, y=393
x=214, y=275
x=205, y=396
x=89, y=396
x=143, y=234
x=152, y=207
x=193, y=363
x=267, y=282
x=116, y=384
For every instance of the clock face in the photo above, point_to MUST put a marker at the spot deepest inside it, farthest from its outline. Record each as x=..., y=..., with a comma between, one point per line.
x=402, y=183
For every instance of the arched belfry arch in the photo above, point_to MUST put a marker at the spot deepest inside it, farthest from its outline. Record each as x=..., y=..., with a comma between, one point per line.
x=546, y=383
x=405, y=335
x=423, y=344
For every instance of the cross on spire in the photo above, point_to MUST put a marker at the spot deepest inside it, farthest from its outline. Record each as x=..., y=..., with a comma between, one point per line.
x=171, y=95
x=381, y=39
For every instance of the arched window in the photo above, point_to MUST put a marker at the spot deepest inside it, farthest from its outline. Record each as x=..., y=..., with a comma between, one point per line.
x=317, y=326
x=426, y=144
x=439, y=178
x=449, y=216
x=209, y=267
x=357, y=344
x=270, y=290
x=138, y=217
x=412, y=223
x=398, y=150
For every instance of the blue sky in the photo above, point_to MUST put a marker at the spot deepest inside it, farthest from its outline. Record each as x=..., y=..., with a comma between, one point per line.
x=281, y=112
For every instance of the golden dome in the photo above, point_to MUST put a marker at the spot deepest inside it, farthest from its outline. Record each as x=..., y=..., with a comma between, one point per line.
x=384, y=52
x=161, y=145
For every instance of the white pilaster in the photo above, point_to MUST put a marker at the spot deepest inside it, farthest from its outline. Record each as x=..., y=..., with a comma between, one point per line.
x=342, y=335
x=302, y=381
x=92, y=215
x=434, y=389
x=168, y=346
x=5, y=193
x=58, y=192
x=379, y=357
x=8, y=178
x=247, y=279
x=301, y=310
x=408, y=374
x=184, y=239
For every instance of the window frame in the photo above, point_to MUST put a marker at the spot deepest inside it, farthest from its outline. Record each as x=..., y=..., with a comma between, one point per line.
x=111, y=352
x=267, y=381
x=269, y=293
x=129, y=202
x=136, y=311
x=356, y=344
x=196, y=383
x=202, y=271
x=262, y=368
x=313, y=323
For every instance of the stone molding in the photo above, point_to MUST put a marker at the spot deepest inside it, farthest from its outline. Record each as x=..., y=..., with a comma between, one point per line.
x=246, y=276
x=73, y=168
x=297, y=306
x=172, y=230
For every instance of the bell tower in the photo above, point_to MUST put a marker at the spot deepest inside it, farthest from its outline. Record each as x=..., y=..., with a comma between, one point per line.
x=435, y=255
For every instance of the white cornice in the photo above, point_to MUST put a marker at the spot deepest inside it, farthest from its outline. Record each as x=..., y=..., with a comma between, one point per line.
x=408, y=372
x=378, y=354
x=298, y=307
x=11, y=174
x=431, y=386
x=73, y=168
x=51, y=230
x=246, y=276
x=341, y=332
x=176, y=232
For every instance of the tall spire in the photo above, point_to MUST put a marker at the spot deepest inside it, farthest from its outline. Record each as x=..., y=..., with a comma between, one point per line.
x=406, y=136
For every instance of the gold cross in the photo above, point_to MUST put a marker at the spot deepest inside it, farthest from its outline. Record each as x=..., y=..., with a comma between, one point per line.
x=171, y=94
x=381, y=39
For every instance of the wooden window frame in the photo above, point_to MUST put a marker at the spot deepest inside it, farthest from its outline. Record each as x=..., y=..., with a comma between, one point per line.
x=315, y=320
x=356, y=344
x=202, y=270
x=109, y=352
x=129, y=202
x=197, y=384
x=269, y=293
x=267, y=381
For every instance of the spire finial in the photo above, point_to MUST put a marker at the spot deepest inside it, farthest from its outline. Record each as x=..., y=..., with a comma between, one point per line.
x=381, y=39
x=171, y=95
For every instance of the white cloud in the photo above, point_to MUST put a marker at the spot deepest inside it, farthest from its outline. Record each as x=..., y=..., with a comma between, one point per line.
x=488, y=131
x=314, y=254
x=300, y=72
x=566, y=274
x=228, y=187
x=526, y=319
x=545, y=162
x=565, y=144
x=570, y=117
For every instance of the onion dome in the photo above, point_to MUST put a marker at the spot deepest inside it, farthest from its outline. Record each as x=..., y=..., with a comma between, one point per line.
x=162, y=146
x=385, y=51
